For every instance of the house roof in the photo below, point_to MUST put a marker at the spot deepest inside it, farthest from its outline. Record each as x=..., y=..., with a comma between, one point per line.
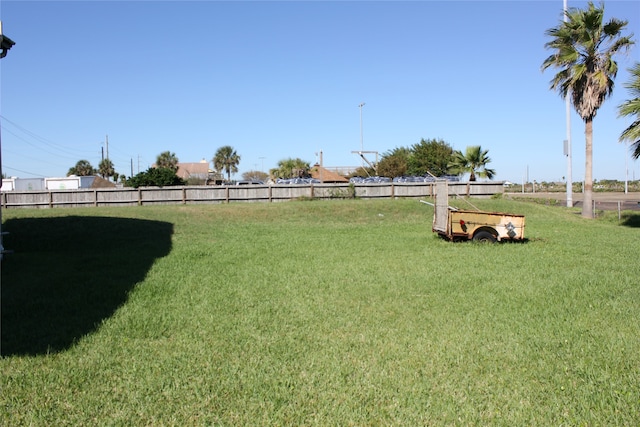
x=324, y=175
x=196, y=170
x=99, y=182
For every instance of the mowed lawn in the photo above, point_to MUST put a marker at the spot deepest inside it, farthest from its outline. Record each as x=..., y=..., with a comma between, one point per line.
x=345, y=312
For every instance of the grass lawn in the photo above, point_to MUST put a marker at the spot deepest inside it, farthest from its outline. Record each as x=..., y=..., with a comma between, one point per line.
x=347, y=312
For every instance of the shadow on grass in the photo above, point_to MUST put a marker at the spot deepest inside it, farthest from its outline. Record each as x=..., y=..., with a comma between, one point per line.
x=631, y=220
x=68, y=274
x=461, y=240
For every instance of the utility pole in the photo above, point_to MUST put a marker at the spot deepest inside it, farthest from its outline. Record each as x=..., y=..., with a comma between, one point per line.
x=107, y=144
x=626, y=170
x=361, y=140
x=568, y=145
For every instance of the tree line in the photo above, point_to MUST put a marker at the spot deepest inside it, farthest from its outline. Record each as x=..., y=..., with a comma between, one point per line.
x=583, y=48
x=435, y=157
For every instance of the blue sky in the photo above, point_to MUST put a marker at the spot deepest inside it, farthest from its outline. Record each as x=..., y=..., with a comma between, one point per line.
x=284, y=79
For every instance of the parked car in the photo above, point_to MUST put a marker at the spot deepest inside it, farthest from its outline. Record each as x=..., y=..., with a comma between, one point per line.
x=369, y=179
x=300, y=181
x=256, y=182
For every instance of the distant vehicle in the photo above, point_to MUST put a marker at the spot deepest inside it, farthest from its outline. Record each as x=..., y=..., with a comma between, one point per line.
x=244, y=182
x=255, y=182
x=425, y=178
x=402, y=179
x=298, y=181
x=369, y=180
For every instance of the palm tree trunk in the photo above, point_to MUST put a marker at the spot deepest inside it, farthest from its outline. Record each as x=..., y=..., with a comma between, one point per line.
x=587, y=201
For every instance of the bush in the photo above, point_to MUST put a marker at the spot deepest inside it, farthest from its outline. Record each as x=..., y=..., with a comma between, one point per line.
x=346, y=193
x=155, y=177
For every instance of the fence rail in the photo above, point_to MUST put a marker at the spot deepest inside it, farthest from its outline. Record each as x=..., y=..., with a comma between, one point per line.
x=230, y=194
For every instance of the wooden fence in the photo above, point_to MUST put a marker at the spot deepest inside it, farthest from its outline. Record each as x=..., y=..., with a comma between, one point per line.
x=229, y=194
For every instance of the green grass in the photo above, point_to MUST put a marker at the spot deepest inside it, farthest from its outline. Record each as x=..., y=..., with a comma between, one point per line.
x=345, y=312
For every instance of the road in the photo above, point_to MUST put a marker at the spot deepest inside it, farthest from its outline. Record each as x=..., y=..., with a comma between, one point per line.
x=603, y=200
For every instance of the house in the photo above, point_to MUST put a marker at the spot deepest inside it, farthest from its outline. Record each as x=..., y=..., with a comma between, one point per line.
x=324, y=175
x=199, y=170
x=96, y=182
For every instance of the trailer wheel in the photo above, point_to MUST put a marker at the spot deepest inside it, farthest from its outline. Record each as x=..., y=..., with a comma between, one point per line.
x=485, y=237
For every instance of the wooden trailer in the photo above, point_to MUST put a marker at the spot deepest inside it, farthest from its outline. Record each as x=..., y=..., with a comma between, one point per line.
x=457, y=224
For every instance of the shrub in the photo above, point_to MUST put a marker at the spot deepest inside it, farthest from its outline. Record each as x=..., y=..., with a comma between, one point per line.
x=155, y=177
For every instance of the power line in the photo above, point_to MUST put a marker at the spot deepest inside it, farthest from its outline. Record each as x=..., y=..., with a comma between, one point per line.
x=41, y=139
x=68, y=156
x=48, y=149
x=18, y=170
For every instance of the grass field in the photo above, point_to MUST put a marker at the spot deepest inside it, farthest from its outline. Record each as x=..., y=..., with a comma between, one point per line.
x=345, y=312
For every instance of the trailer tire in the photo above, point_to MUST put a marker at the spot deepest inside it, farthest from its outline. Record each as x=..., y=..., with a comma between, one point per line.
x=484, y=237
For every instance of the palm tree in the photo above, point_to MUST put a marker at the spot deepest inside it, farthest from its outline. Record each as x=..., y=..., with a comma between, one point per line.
x=584, y=47
x=474, y=162
x=291, y=168
x=82, y=168
x=105, y=168
x=168, y=160
x=227, y=160
x=632, y=108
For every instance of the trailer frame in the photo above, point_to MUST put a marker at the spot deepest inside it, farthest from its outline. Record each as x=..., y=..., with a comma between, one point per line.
x=457, y=224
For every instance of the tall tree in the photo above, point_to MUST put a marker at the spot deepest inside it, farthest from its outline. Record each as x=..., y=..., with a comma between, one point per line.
x=255, y=176
x=168, y=160
x=631, y=108
x=105, y=168
x=226, y=160
x=430, y=157
x=394, y=163
x=82, y=168
x=584, y=47
x=474, y=162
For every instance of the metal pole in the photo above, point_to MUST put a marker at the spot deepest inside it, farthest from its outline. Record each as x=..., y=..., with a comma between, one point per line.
x=626, y=170
x=619, y=211
x=568, y=115
x=361, y=140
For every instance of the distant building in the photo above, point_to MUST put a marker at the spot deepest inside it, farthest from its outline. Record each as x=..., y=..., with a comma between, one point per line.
x=199, y=170
x=324, y=175
x=22, y=184
x=63, y=183
x=76, y=182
